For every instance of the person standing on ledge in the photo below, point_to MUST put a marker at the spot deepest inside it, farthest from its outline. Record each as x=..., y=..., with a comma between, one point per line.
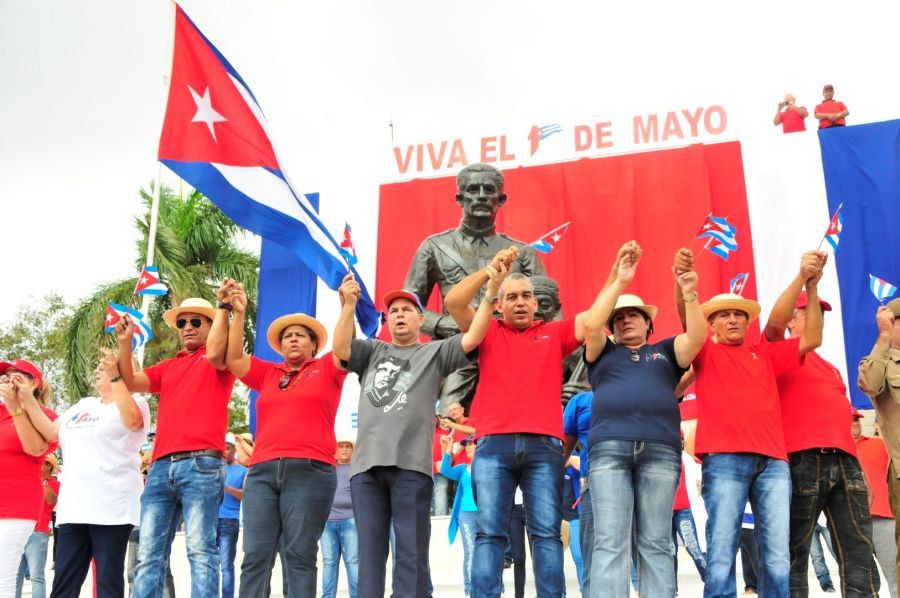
x=830, y=112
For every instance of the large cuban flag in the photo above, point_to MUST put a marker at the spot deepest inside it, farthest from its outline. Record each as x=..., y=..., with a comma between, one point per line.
x=214, y=137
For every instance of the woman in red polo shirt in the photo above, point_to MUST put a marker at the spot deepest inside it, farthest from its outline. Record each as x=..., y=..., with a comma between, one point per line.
x=292, y=477
x=22, y=451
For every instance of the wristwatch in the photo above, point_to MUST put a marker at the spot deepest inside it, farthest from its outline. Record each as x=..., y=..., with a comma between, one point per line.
x=224, y=306
x=116, y=379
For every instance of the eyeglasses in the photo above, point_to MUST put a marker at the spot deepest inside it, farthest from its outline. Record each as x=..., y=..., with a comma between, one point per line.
x=286, y=379
x=182, y=322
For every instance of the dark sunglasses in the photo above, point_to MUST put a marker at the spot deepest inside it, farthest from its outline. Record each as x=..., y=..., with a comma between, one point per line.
x=182, y=322
x=286, y=379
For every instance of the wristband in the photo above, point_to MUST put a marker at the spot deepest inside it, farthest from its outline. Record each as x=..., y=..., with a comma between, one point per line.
x=116, y=379
x=226, y=306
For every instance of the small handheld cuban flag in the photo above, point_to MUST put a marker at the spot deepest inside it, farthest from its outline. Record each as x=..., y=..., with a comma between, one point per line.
x=719, y=236
x=882, y=289
x=346, y=247
x=142, y=332
x=833, y=234
x=547, y=242
x=738, y=283
x=149, y=283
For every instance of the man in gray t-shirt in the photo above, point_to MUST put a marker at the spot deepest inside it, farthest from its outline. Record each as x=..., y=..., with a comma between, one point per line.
x=391, y=471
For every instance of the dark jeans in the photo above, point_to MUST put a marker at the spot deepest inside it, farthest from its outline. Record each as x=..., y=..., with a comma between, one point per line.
x=517, y=547
x=586, y=516
x=380, y=495
x=749, y=559
x=78, y=544
x=226, y=538
x=534, y=463
x=287, y=499
x=833, y=483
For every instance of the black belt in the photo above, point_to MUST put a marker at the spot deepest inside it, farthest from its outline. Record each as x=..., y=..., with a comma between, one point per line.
x=827, y=451
x=192, y=454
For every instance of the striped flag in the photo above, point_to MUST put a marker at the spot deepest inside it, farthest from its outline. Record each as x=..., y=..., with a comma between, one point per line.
x=833, y=234
x=882, y=289
x=142, y=332
x=149, y=283
x=547, y=242
x=738, y=283
x=719, y=236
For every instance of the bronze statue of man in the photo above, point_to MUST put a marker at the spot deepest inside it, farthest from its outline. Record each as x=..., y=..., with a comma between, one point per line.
x=446, y=258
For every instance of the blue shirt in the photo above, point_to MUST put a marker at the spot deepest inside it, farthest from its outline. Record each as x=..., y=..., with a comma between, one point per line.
x=635, y=400
x=234, y=477
x=577, y=422
x=465, y=498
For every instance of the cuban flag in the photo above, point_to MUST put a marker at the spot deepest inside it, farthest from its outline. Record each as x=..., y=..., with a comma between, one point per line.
x=882, y=289
x=214, y=137
x=547, y=242
x=719, y=235
x=346, y=247
x=149, y=283
x=142, y=332
x=833, y=234
x=738, y=283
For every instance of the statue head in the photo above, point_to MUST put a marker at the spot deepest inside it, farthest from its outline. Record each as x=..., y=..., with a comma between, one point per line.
x=480, y=194
x=546, y=291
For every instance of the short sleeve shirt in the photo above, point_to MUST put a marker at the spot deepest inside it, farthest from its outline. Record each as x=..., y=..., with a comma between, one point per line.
x=399, y=387
x=577, y=422
x=635, y=399
x=738, y=409
x=792, y=121
x=520, y=382
x=23, y=490
x=234, y=477
x=193, y=403
x=830, y=107
x=297, y=421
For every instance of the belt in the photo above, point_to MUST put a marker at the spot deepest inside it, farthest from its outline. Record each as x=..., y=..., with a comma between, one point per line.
x=824, y=451
x=192, y=454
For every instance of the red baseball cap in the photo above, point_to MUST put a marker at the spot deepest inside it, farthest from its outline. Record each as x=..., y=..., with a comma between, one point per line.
x=828, y=86
x=23, y=366
x=403, y=294
x=802, y=301
x=855, y=414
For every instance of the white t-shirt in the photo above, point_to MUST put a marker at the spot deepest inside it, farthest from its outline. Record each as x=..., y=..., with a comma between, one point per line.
x=101, y=480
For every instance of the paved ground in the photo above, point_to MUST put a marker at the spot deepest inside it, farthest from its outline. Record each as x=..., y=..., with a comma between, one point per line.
x=446, y=565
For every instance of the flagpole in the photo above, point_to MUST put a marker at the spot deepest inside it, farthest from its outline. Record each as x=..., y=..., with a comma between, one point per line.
x=691, y=244
x=154, y=206
x=840, y=205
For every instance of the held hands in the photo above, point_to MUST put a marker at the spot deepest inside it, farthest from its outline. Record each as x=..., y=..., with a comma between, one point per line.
x=628, y=258
x=496, y=277
x=884, y=317
x=108, y=363
x=237, y=298
x=684, y=261
x=507, y=256
x=223, y=294
x=9, y=395
x=811, y=266
x=686, y=280
x=446, y=443
x=349, y=291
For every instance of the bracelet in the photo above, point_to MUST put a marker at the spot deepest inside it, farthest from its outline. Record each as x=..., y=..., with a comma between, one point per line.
x=491, y=300
x=689, y=297
x=116, y=379
x=226, y=306
x=18, y=411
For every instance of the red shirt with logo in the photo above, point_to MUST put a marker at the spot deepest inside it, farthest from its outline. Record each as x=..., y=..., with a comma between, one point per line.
x=193, y=403
x=520, y=378
x=297, y=421
x=23, y=489
x=791, y=120
x=738, y=410
x=874, y=459
x=830, y=107
x=815, y=410
x=43, y=524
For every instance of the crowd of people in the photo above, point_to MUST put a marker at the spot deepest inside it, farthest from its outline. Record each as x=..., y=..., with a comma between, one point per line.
x=774, y=430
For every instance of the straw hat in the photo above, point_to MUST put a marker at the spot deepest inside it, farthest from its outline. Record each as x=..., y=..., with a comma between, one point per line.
x=635, y=302
x=273, y=334
x=731, y=301
x=190, y=306
x=49, y=458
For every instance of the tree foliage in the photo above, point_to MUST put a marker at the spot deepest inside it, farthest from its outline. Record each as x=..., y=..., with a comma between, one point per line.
x=196, y=247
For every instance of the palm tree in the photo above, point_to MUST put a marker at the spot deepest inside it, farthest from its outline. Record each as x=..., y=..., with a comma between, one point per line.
x=196, y=246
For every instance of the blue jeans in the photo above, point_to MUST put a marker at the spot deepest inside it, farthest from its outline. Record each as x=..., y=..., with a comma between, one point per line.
x=729, y=480
x=468, y=526
x=286, y=499
x=683, y=525
x=439, y=502
x=575, y=549
x=227, y=537
x=535, y=464
x=817, y=555
x=191, y=487
x=339, y=540
x=586, y=523
x=34, y=561
x=633, y=486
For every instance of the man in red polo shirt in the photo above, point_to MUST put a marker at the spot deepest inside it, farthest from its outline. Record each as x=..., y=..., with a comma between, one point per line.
x=790, y=116
x=830, y=112
x=825, y=473
x=188, y=472
x=519, y=422
x=873, y=457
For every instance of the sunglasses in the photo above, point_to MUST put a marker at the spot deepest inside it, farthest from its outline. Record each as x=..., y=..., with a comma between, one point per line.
x=182, y=322
x=286, y=379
